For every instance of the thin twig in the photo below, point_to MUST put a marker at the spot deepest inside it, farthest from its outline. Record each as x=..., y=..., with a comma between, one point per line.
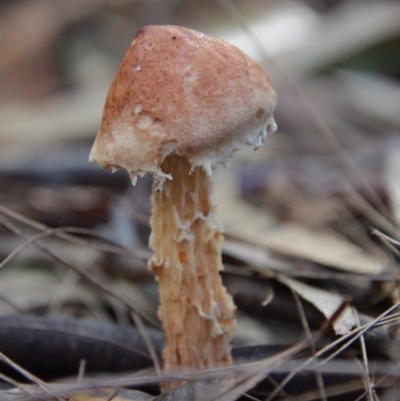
x=150, y=347
x=352, y=336
x=26, y=374
x=359, y=332
x=389, y=242
x=48, y=232
x=307, y=331
x=64, y=233
x=319, y=334
x=365, y=358
x=103, y=286
x=250, y=397
x=376, y=218
x=81, y=370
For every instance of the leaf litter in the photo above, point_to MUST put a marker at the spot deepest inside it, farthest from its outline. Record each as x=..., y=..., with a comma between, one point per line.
x=286, y=233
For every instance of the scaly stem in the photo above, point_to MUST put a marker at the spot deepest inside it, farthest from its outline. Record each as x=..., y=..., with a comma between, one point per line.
x=197, y=313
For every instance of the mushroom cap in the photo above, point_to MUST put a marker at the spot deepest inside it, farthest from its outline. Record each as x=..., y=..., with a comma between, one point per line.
x=181, y=92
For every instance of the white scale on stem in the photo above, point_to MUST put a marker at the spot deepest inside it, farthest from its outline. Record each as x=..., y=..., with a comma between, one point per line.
x=197, y=313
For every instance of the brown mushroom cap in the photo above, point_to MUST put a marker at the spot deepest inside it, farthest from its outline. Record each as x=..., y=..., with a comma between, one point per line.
x=181, y=92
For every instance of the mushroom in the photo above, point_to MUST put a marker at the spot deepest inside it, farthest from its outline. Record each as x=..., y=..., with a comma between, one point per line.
x=180, y=103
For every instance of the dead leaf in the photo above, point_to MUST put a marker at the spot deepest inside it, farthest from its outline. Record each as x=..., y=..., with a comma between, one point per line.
x=352, y=27
x=326, y=302
x=26, y=289
x=250, y=224
x=60, y=117
x=252, y=255
x=110, y=394
x=373, y=95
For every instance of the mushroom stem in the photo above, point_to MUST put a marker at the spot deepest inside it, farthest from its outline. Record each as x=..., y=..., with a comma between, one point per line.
x=197, y=313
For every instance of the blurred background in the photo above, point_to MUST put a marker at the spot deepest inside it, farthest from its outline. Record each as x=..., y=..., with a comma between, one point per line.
x=335, y=66
x=316, y=208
